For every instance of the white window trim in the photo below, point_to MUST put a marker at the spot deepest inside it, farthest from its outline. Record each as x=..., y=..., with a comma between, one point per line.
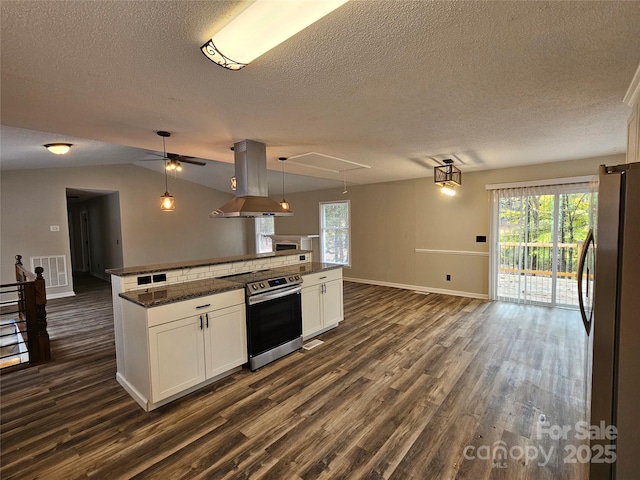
x=257, y=234
x=348, y=202
x=544, y=183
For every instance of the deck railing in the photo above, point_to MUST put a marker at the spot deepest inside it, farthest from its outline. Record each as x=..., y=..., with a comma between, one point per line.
x=23, y=328
x=537, y=258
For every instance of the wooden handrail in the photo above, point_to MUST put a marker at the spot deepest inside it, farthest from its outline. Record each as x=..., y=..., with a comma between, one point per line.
x=32, y=301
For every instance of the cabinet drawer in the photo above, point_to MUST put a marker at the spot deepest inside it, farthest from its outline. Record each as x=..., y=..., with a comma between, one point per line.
x=322, y=277
x=188, y=308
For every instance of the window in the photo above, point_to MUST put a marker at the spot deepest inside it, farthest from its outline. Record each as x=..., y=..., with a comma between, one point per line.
x=335, y=233
x=264, y=227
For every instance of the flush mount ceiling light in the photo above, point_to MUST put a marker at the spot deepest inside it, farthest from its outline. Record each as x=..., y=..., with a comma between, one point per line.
x=58, y=148
x=262, y=26
x=167, y=202
x=284, y=204
x=447, y=176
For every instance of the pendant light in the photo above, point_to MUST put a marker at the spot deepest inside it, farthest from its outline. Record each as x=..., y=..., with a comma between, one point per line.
x=167, y=202
x=284, y=204
x=448, y=177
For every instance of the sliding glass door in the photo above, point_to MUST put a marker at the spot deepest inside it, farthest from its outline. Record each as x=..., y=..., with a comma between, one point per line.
x=539, y=232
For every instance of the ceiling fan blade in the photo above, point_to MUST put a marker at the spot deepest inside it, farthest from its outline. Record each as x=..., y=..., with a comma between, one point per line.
x=193, y=162
x=172, y=156
x=185, y=159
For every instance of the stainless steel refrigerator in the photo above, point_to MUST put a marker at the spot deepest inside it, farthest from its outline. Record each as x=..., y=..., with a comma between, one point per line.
x=610, y=307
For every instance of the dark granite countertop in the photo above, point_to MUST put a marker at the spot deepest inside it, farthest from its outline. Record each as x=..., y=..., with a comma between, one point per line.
x=307, y=268
x=153, y=297
x=164, y=267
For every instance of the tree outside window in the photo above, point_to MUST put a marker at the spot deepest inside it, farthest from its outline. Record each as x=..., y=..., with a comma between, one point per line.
x=335, y=232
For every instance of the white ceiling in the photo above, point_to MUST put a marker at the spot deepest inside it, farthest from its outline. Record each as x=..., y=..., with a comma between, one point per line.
x=389, y=84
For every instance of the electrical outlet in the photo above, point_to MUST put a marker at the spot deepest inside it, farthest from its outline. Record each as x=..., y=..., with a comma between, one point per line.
x=160, y=277
x=481, y=238
x=144, y=280
x=448, y=278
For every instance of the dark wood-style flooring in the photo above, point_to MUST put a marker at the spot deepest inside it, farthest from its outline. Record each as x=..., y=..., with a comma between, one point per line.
x=402, y=389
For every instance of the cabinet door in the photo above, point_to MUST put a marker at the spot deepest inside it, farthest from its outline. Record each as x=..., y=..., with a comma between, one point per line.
x=311, y=310
x=332, y=303
x=225, y=340
x=176, y=351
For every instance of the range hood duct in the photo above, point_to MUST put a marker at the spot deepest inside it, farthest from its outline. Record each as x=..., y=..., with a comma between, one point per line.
x=252, y=190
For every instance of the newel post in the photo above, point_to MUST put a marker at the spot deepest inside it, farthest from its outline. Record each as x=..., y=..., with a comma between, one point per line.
x=43, y=348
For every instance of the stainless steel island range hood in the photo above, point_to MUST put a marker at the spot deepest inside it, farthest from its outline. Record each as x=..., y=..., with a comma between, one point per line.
x=252, y=192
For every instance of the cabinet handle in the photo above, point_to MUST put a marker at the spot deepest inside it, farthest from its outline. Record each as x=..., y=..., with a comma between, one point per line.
x=324, y=288
x=322, y=278
x=207, y=315
x=200, y=322
x=204, y=306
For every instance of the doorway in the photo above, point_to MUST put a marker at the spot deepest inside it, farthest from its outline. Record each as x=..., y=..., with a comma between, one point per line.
x=94, y=232
x=539, y=233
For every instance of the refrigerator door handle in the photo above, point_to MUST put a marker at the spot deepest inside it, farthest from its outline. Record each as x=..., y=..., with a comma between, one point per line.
x=586, y=318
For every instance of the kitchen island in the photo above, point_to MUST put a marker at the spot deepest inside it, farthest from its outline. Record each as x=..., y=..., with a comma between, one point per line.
x=178, y=333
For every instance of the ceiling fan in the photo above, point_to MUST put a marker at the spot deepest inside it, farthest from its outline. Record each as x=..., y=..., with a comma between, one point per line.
x=175, y=161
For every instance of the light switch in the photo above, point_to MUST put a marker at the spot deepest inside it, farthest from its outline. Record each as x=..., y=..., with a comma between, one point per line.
x=54, y=228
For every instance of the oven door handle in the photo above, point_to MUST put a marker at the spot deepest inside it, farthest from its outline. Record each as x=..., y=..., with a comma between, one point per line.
x=265, y=297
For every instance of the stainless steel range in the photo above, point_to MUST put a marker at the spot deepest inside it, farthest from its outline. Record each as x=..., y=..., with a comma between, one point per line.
x=274, y=314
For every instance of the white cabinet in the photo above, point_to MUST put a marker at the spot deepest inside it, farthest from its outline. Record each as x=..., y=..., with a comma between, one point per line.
x=322, y=302
x=173, y=349
x=176, y=357
x=225, y=340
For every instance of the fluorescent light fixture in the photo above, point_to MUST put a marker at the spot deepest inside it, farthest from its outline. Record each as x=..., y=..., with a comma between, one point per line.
x=262, y=26
x=58, y=148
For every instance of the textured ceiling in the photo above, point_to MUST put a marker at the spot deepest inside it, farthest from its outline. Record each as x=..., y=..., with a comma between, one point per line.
x=390, y=84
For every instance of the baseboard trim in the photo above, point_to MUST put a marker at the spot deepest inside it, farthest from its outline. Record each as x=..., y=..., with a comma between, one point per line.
x=419, y=288
x=60, y=295
x=133, y=392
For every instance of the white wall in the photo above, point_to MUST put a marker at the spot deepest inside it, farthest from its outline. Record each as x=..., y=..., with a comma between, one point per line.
x=389, y=221
x=32, y=200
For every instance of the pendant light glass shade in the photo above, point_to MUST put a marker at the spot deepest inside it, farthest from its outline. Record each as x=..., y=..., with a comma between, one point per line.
x=167, y=203
x=448, y=191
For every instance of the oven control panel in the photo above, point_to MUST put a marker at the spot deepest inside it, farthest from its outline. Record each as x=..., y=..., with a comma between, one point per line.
x=272, y=284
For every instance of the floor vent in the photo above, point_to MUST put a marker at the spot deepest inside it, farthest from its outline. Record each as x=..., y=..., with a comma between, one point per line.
x=55, y=269
x=312, y=344
x=421, y=293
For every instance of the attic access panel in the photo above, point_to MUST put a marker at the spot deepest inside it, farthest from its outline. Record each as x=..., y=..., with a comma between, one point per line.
x=323, y=163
